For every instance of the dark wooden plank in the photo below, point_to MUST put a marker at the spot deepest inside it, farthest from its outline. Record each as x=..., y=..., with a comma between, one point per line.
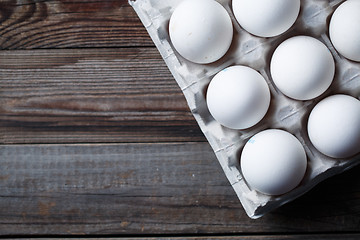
x=28, y=24
x=150, y=189
x=91, y=95
x=245, y=237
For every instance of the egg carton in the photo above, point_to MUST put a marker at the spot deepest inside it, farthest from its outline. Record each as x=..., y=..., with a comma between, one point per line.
x=284, y=113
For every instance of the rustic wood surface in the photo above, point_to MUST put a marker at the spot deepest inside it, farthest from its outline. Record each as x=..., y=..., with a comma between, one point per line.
x=91, y=95
x=29, y=24
x=96, y=139
x=148, y=188
x=236, y=237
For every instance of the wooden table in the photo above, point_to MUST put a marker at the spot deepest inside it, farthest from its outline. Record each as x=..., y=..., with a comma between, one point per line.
x=97, y=139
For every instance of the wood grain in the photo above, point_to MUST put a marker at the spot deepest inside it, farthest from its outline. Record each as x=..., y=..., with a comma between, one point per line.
x=91, y=95
x=150, y=189
x=239, y=237
x=29, y=24
x=86, y=71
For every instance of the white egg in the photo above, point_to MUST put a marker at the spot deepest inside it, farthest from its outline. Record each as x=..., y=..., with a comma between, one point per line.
x=273, y=162
x=345, y=29
x=266, y=18
x=201, y=31
x=238, y=97
x=334, y=126
x=302, y=67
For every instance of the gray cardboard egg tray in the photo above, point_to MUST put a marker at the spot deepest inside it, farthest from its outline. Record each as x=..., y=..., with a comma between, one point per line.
x=284, y=113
